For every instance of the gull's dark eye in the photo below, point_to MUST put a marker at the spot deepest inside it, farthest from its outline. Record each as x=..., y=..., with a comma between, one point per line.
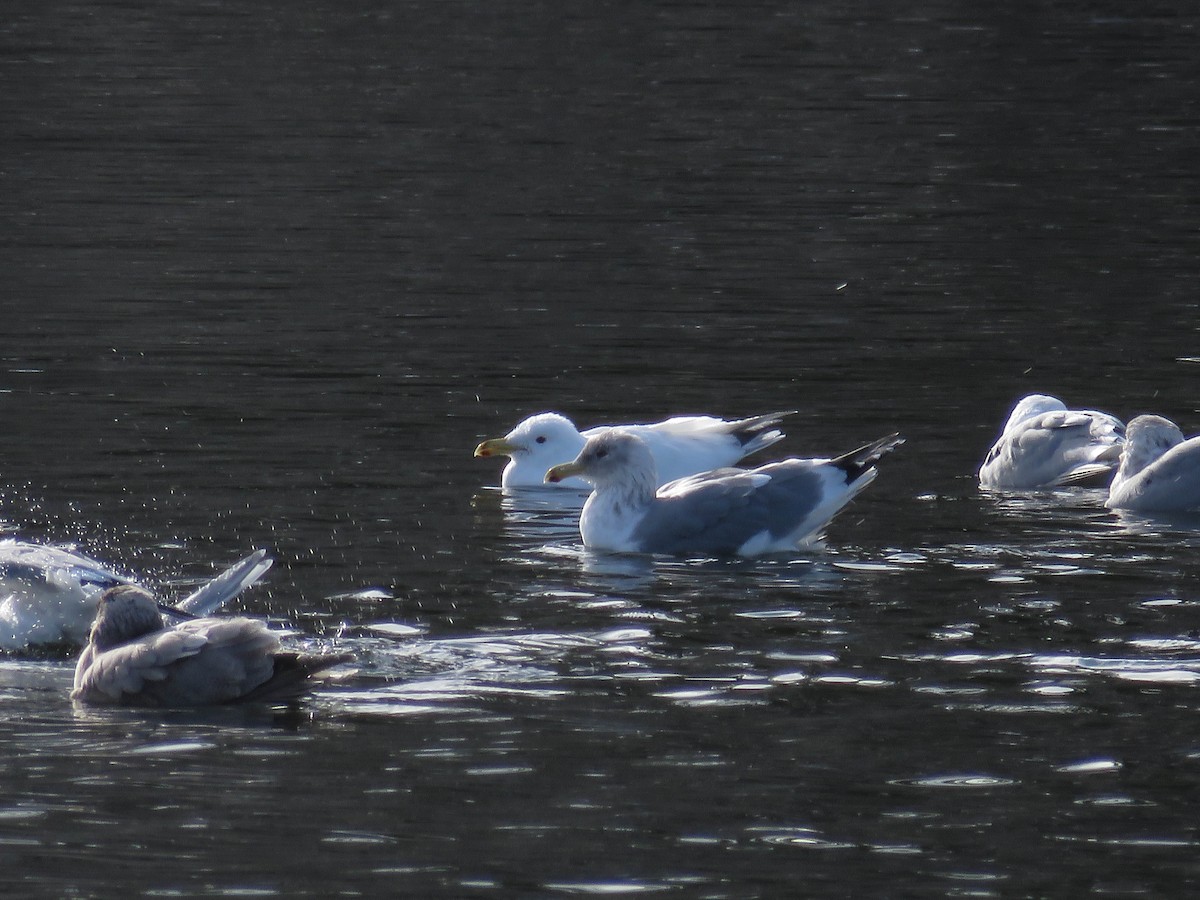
x=541, y=439
x=601, y=453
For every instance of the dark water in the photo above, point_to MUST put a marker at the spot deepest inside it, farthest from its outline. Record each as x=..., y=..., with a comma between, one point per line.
x=269, y=273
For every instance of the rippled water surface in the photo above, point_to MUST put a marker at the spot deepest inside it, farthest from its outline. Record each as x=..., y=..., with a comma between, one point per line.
x=270, y=274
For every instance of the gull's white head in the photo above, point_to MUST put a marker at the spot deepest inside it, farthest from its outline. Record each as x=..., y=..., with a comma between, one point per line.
x=1146, y=439
x=534, y=446
x=1033, y=405
x=547, y=433
x=123, y=613
x=613, y=458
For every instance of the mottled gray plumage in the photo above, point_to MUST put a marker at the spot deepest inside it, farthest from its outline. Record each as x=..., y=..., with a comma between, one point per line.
x=1159, y=471
x=131, y=659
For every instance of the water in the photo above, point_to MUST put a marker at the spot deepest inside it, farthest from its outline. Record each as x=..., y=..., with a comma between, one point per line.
x=271, y=275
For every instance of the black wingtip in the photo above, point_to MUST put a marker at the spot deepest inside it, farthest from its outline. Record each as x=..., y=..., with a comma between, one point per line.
x=857, y=462
x=750, y=429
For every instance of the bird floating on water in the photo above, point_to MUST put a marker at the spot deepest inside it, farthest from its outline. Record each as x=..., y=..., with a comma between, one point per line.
x=48, y=594
x=133, y=658
x=681, y=446
x=742, y=512
x=1045, y=445
x=1159, y=470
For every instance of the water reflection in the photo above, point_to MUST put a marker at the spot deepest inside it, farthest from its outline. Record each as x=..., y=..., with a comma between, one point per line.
x=431, y=676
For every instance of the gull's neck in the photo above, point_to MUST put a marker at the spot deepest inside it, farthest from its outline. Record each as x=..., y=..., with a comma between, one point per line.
x=614, y=508
x=1137, y=456
x=633, y=491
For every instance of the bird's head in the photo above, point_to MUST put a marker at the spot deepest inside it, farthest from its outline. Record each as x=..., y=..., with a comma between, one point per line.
x=1033, y=405
x=123, y=613
x=1146, y=439
x=613, y=457
x=546, y=435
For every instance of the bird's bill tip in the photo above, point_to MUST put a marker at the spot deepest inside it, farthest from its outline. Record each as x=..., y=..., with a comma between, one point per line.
x=176, y=611
x=494, y=447
x=561, y=472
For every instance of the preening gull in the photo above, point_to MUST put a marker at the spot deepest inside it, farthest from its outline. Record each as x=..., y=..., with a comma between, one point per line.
x=1044, y=445
x=681, y=446
x=743, y=512
x=133, y=658
x=48, y=594
x=1159, y=471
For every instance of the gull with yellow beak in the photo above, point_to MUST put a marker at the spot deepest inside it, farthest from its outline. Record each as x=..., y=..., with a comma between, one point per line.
x=727, y=512
x=680, y=446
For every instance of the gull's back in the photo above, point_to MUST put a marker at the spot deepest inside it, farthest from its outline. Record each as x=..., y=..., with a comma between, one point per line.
x=1053, y=448
x=733, y=511
x=199, y=662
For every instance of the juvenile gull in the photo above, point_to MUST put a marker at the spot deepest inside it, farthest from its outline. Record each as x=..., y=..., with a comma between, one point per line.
x=1159, y=471
x=681, y=446
x=133, y=658
x=743, y=512
x=1044, y=444
x=48, y=594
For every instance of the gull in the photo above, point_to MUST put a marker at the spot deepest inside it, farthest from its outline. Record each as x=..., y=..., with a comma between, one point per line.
x=681, y=446
x=743, y=512
x=1159, y=471
x=1044, y=444
x=48, y=594
x=133, y=658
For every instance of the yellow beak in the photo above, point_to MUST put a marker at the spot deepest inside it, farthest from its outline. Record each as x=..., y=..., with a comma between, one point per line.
x=496, y=447
x=562, y=472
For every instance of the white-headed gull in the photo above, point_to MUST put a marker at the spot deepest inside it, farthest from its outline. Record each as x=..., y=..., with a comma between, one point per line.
x=744, y=512
x=1045, y=445
x=681, y=446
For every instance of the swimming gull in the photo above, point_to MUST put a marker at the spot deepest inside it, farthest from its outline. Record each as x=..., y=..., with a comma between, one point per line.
x=48, y=594
x=1044, y=444
x=744, y=512
x=133, y=658
x=1159, y=471
x=681, y=446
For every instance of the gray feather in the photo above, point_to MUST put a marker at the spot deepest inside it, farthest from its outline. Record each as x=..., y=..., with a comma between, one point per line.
x=131, y=660
x=723, y=509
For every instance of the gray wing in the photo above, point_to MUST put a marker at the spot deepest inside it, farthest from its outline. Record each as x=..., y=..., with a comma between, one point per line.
x=717, y=512
x=38, y=562
x=213, y=594
x=200, y=662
